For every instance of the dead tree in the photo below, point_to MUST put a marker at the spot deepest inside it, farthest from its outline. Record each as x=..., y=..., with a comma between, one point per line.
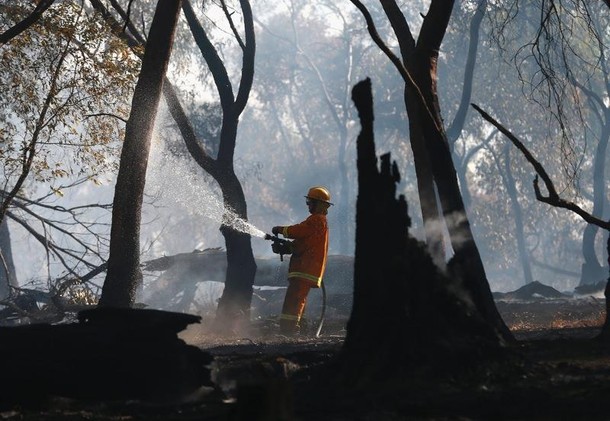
x=405, y=311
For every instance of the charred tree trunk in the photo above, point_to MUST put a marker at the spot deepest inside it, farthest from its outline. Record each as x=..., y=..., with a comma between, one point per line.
x=124, y=272
x=405, y=311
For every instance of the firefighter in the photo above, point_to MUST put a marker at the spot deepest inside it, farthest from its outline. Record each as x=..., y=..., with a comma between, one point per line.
x=308, y=258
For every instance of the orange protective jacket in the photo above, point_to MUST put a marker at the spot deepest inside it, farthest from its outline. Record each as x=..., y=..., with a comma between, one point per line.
x=309, y=248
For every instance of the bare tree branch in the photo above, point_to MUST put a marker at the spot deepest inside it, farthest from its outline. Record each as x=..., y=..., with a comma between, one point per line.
x=404, y=72
x=128, y=20
x=187, y=131
x=455, y=128
x=124, y=120
x=249, y=48
x=228, y=15
x=125, y=16
x=217, y=67
x=553, y=198
x=30, y=20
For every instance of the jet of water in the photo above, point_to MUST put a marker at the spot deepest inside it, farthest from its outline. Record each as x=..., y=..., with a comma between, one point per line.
x=176, y=184
x=239, y=224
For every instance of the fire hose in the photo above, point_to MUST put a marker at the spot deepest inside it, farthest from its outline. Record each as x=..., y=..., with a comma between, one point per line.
x=321, y=321
x=282, y=247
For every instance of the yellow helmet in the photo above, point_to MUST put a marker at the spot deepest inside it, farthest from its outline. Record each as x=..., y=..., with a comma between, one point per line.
x=319, y=193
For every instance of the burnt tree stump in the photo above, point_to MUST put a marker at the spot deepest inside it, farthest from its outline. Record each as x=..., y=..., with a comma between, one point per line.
x=405, y=311
x=111, y=354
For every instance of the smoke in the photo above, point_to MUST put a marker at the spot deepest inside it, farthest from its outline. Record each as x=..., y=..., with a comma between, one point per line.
x=450, y=231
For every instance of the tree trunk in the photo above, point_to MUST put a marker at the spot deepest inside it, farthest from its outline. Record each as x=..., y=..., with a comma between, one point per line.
x=428, y=202
x=405, y=311
x=455, y=129
x=7, y=269
x=124, y=274
x=343, y=207
x=422, y=61
x=511, y=189
x=605, y=333
x=234, y=305
x=592, y=271
x=233, y=312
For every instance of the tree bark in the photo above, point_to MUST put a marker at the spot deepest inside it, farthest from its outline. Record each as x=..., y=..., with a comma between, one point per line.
x=431, y=214
x=605, y=333
x=124, y=274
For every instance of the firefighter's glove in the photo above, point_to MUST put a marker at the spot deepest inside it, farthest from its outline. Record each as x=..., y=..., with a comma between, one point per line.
x=276, y=230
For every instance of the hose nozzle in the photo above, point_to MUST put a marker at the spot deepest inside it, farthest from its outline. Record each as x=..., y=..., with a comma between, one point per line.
x=279, y=246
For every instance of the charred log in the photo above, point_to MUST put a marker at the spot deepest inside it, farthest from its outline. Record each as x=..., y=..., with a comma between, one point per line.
x=110, y=354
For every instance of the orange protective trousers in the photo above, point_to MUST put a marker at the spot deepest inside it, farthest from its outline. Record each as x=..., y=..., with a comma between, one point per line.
x=294, y=304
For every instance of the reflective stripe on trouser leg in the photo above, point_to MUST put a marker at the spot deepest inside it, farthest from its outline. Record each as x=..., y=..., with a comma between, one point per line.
x=294, y=304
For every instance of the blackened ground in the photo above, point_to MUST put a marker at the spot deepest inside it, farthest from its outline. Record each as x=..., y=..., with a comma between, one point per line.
x=562, y=372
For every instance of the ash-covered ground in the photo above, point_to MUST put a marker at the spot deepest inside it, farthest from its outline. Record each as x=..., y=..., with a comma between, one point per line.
x=563, y=373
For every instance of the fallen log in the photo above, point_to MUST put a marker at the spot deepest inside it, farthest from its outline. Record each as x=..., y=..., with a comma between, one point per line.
x=109, y=355
x=179, y=276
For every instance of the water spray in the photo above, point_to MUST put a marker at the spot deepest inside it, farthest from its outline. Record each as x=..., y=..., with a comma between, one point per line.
x=231, y=220
x=176, y=183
